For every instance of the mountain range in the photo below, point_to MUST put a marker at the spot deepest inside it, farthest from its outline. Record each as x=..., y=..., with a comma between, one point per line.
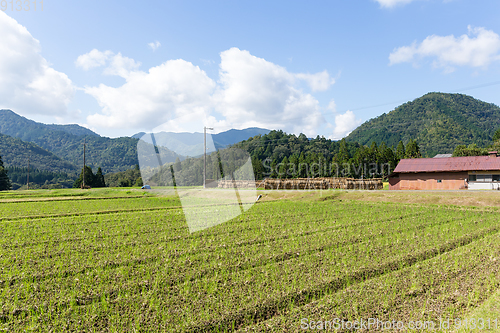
x=191, y=144
x=437, y=121
x=60, y=147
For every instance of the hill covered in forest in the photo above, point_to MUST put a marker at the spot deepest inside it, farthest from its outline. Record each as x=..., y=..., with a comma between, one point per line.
x=439, y=122
x=66, y=142
x=16, y=152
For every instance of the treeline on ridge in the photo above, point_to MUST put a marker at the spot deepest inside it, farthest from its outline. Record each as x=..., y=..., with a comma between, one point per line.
x=282, y=155
x=39, y=178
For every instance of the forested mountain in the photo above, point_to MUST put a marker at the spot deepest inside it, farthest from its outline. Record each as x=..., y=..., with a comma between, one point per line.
x=438, y=121
x=282, y=155
x=66, y=141
x=15, y=153
x=28, y=130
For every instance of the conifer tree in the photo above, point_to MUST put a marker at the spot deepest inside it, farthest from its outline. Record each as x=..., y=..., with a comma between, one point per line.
x=5, y=183
x=89, y=178
x=412, y=149
x=400, y=151
x=99, y=179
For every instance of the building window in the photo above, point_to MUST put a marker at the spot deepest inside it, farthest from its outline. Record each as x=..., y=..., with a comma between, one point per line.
x=440, y=180
x=496, y=178
x=484, y=178
x=472, y=178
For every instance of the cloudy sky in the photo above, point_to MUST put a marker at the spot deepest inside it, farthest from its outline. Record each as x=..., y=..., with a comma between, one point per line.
x=320, y=68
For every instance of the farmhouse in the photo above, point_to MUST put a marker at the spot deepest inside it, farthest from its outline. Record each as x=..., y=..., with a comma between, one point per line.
x=447, y=173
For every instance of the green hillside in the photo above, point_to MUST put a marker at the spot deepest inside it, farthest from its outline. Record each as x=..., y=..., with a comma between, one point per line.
x=438, y=121
x=16, y=152
x=66, y=141
x=28, y=130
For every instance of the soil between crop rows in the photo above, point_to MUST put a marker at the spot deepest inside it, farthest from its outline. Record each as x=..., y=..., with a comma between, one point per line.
x=138, y=267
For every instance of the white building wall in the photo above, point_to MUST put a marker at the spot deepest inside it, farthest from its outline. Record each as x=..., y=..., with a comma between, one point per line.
x=483, y=186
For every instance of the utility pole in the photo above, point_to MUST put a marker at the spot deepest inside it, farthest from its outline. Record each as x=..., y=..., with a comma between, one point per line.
x=84, y=144
x=29, y=156
x=205, y=155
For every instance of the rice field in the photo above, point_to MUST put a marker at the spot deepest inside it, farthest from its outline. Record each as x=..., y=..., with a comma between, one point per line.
x=125, y=261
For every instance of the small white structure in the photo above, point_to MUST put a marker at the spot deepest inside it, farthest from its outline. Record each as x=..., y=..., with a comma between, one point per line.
x=484, y=181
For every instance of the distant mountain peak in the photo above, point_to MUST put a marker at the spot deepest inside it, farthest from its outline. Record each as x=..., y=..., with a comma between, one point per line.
x=438, y=121
x=18, y=126
x=191, y=144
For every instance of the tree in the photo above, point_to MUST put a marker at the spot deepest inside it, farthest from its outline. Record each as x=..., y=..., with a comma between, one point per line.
x=258, y=168
x=124, y=182
x=496, y=136
x=412, y=149
x=293, y=166
x=283, y=168
x=99, y=179
x=471, y=150
x=303, y=170
x=174, y=183
x=139, y=182
x=89, y=178
x=400, y=151
x=5, y=184
x=274, y=173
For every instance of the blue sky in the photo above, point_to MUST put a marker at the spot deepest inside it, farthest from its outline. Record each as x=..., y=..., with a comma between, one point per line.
x=322, y=68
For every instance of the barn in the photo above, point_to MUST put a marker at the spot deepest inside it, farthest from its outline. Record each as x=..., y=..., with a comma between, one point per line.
x=447, y=173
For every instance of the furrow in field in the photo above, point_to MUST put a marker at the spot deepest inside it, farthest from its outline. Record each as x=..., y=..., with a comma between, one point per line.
x=445, y=287
x=271, y=308
x=40, y=217
x=34, y=260
x=361, y=274
x=55, y=236
x=29, y=210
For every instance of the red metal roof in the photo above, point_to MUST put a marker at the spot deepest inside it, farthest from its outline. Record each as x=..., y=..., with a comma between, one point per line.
x=450, y=164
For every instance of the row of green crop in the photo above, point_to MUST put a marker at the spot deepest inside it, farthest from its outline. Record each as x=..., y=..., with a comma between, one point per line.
x=108, y=239
x=146, y=236
x=10, y=210
x=332, y=256
x=432, y=291
x=20, y=233
x=38, y=262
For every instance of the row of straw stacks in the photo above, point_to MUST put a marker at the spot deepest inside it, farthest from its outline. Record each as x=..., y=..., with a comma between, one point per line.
x=306, y=184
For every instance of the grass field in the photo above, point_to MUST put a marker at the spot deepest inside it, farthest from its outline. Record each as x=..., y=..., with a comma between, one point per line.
x=124, y=261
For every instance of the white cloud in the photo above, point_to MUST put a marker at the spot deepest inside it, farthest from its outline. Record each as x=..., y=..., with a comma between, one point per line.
x=173, y=89
x=332, y=106
x=250, y=92
x=479, y=48
x=256, y=92
x=28, y=83
x=94, y=58
x=318, y=82
x=154, y=45
x=393, y=3
x=345, y=124
x=121, y=66
x=116, y=63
